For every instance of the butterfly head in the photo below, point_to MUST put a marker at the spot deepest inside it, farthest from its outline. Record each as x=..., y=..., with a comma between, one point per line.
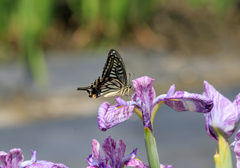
x=95, y=93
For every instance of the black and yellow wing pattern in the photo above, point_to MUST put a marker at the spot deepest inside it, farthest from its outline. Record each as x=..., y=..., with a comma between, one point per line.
x=113, y=80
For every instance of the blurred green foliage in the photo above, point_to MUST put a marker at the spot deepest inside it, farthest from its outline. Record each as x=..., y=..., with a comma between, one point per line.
x=111, y=19
x=28, y=26
x=32, y=19
x=218, y=7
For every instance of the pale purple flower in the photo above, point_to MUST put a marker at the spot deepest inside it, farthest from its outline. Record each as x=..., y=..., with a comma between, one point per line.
x=144, y=101
x=14, y=159
x=235, y=146
x=224, y=116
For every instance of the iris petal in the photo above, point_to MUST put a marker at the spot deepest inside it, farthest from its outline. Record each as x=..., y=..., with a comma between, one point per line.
x=110, y=116
x=119, y=152
x=158, y=99
x=224, y=115
x=235, y=146
x=143, y=88
x=14, y=158
x=3, y=156
x=184, y=101
x=136, y=163
x=122, y=102
x=171, y=90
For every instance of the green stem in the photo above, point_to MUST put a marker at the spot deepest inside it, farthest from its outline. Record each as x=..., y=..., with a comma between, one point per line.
x=151, y=147
x=224, y=152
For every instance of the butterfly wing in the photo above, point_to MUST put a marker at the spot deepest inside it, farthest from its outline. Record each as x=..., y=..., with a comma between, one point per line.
x=114, y=68
x=113, y=80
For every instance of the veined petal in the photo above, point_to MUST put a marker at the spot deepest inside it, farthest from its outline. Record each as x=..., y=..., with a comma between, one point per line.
x=26, y=163
x=159, y=99
x=137, y=100
x=110, y=116
x=184, y=101
x=14, y=158
x=143, y=88
x=209, y=128
x=122, y=102
x=95, y=149
x=235, y=146
x=98, y=156
x=119, y=153
x=136, y=163
x=171, y=90
x=236, y=103
x=133, y=155
x=3, y=156
x=109, y=146
x=224, y=115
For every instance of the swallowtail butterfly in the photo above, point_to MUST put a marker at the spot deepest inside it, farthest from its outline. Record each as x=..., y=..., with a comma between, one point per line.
x=113, y=80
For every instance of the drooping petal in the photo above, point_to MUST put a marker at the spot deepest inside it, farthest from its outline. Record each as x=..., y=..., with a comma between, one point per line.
x=110, y=116
x=224, y=115
x=3, y=156
x=14, y=158
x=235, y=146
x=184, y=101
x=145, y=91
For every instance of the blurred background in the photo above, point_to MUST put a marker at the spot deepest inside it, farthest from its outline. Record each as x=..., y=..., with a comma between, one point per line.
x=49, y=48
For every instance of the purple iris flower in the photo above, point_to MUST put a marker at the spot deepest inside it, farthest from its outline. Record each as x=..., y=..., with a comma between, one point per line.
x=225, y=115
x=14, y=159
x=111, y=155
x=235, y=146
x=145, y=103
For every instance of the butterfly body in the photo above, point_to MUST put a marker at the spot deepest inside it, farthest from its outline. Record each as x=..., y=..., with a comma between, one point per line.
x=113, y=80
